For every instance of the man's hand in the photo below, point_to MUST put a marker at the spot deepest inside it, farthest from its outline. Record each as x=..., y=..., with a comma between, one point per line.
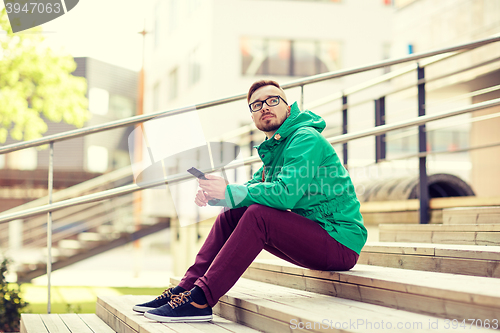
x=202, y=198
x=214, y=187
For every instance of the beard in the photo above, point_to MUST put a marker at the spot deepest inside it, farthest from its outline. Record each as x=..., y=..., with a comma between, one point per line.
x=271, y=124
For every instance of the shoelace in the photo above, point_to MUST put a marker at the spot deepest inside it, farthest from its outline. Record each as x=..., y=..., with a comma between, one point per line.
x=166, y=293
x=179, y=299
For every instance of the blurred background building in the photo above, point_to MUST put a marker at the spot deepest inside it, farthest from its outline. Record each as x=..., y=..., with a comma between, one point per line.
x=202, y=50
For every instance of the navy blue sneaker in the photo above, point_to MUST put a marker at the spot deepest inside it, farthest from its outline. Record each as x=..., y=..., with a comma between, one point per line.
x=163, y=299
x=182, y=308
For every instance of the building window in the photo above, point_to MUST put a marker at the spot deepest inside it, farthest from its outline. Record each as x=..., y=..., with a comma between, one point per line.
x=26, y=159
x=193, y=6
x=98, y=101
x=157, y=24
x=173, y=15
x=173, y=84
x=97, y=159
x=121, y=106
x=194, y=67
x=288, y=57
x=156, y=97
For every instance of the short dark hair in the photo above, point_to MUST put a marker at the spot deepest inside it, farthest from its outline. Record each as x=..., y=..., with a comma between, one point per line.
x=262, y=83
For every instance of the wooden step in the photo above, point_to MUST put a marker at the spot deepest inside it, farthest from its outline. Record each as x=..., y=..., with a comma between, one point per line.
x=442, y=295
x=63, y=323
x=273, y=308
x=472, y=215
x=117, y=312
x=476, y=260
x=466, y=234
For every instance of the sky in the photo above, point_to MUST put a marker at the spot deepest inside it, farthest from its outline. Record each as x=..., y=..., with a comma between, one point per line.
x=106, y=30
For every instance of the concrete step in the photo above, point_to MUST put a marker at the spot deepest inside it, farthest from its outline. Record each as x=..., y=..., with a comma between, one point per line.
x=476, y=260
x=272, y=308
x=63, y=323
x=449, y=296
x=472, y=215
x=66, y=256
x=117, y=312
x=465, y=234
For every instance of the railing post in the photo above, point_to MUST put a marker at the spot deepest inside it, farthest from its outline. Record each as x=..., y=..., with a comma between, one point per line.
x=49, y=225
x=302, y=97
x=344, y=128
x=422, y=147
x=380, y=120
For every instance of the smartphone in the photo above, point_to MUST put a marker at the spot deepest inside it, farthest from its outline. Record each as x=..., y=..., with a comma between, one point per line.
x=197, y=173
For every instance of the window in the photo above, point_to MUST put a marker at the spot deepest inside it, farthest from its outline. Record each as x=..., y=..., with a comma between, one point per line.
x=173, y=14
x=156, y=97
x=288, y=57
x=173, y=84
x=157, y=24
x=194, y=67
x=193, y=6
x=26, y=159
x=98, y=101
x=97, y=159
x=121, y=106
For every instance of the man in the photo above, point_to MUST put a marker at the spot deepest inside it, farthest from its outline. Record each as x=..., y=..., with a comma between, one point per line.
x=300, y=206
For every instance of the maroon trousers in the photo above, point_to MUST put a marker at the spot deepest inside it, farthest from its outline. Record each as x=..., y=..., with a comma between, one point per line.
x=238, y=235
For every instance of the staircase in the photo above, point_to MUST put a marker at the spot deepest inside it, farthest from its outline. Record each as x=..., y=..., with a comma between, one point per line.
x=400, y=286
x=81, y=231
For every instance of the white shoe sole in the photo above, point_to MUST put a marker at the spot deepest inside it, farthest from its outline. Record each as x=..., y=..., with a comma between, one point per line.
x=164, y=319
x=141, y=308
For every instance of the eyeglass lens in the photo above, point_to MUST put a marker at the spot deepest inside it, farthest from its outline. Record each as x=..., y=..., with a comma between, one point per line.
x=271, y=101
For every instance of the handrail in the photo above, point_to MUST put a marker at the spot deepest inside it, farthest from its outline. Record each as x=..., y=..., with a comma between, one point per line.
x=250, y=160
x=399, y=89
x=297, y=83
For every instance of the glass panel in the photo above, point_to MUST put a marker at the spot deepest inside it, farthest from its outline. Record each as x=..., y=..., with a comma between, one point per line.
x=252, y=56
x=278, y=57
x=329, y=56
x=304, y=60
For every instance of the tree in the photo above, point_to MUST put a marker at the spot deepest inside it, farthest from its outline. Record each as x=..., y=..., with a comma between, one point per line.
x=10, y=303
x=35, y=81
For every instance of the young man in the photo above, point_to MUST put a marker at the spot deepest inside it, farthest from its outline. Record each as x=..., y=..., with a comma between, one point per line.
x=300, y=206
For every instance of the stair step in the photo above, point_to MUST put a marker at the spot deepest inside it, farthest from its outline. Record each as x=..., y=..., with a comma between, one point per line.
x=443, y=295
x=117, y=312
x=91, y=237
x=466, y=234
x=63, y=323
x=472, y=215
x=71, y=244
x=273, y=308
x=476, y=260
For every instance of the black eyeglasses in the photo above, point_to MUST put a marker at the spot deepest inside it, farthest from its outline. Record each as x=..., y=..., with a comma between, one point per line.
x=271, y=101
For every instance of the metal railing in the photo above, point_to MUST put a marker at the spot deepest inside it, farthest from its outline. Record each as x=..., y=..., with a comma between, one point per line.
x=379, y=130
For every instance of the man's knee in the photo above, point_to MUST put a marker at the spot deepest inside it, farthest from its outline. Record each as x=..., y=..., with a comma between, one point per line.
x=256, y=208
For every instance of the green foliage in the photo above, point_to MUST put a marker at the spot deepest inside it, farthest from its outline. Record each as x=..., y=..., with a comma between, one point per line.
x=10, y=303
x=36, y=81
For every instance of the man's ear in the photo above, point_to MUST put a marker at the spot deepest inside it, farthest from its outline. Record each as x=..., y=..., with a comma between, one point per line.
x=288, y=112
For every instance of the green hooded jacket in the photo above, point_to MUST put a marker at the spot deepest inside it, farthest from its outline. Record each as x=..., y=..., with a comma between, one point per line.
x=303, y=173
